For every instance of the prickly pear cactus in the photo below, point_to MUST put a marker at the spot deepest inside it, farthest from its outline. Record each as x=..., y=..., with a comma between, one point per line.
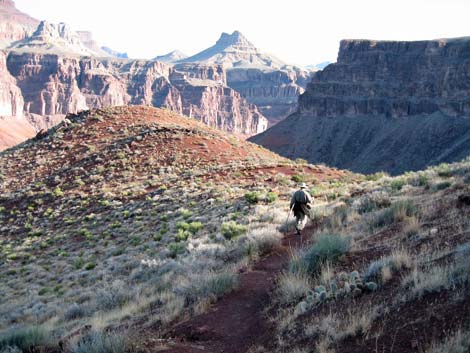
x=320, y=289
x=371, y=286
x=354, y=275
x=356, y=292
x=323, y=296
x=334, y=287
x=302, y=307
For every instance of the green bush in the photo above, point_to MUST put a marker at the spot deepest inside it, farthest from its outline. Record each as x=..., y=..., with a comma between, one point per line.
x=271, y=197
x=90, y=266
x=298, y=178
x=252, y=196
x=176, y=249
x=326, y=248
x=182, y=235
x=232, y=230
x=57, y=192
x=397, y=184
x=25, y=338
x=444, y=170
x=192, y=227
x=423, y=180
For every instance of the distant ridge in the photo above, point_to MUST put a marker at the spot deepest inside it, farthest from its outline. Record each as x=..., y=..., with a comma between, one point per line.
x=171, y=57
x=235, y=50
x=390, y=106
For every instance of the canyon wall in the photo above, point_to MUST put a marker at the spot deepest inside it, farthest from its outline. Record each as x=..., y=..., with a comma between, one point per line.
x=51, y=85
x=384, y=105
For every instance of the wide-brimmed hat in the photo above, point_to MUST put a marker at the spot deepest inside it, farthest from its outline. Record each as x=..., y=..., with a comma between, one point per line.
x=303, y=186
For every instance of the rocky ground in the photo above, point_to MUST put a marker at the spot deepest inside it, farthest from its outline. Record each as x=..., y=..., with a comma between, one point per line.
x=133, y=217
x=138, y=230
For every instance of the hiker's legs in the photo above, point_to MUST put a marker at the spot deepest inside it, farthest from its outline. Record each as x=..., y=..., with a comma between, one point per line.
x=301, y=221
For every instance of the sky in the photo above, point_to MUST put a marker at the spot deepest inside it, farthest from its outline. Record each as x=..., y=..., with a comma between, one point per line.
x=297, y=32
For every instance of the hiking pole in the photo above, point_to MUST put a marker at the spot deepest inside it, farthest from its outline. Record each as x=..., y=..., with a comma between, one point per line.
x=287, y=219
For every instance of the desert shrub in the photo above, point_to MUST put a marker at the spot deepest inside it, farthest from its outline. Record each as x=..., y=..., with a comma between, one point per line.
x=301, y=161
x=298, y=178
x=423, y=180
x=395, y=213
x=292, y=287
x=192, y=227
x=376, y=176
x=75, y=311
x=182, y=235
x=25, y=338
x=101, y=342
x=216, y=284
x=271, y=197
x=57, y=192
x=176, y=249
x=457, y=343
x=185, y=213
x=90, y=266
x=397, y=184
x=443, y=170
x=374, y=201
x=232, y=229
x=265, y=239
x=442, y=185
x=437, y=278
x=252, y=196
x=326, y=248
x=117, y=295
x=396, y=262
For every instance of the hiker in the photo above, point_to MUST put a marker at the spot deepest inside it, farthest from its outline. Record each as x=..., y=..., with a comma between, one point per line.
x=301, y=203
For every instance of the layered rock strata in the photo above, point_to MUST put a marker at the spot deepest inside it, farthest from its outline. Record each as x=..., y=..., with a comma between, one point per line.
x=393, y=106
x=261, y=78
x=52, y=85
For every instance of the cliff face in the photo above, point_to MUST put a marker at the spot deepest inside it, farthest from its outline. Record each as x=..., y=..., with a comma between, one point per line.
x=261, y=79
x=11, y=99
x=275, y=92
x=391, y=106
x=395, y=79
x=52, y=85
x=14, y=25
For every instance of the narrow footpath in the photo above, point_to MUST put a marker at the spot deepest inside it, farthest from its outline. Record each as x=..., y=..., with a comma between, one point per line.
x=237, y=321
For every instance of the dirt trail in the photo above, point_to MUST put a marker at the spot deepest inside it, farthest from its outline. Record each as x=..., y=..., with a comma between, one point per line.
x=237, y=321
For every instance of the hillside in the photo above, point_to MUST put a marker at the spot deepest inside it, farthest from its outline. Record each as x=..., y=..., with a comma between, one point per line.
x=140, y=230
x=392, y=106
x=132, y=217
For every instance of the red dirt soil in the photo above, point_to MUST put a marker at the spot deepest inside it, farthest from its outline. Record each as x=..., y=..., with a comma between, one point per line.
x=238, y=321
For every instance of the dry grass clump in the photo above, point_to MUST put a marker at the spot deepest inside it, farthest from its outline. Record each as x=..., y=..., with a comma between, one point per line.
x=292, y=287
x=459, y=342
x=383, y=269
x=335, y=327
x=436, y=278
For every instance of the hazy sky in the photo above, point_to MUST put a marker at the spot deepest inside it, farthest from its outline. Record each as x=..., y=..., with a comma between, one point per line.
x=298, y=32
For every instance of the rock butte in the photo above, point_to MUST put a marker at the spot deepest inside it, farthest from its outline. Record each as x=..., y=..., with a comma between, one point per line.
x=385, y=105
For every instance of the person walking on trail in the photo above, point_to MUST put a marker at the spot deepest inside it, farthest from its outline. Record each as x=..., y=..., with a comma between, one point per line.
x=301, y=203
